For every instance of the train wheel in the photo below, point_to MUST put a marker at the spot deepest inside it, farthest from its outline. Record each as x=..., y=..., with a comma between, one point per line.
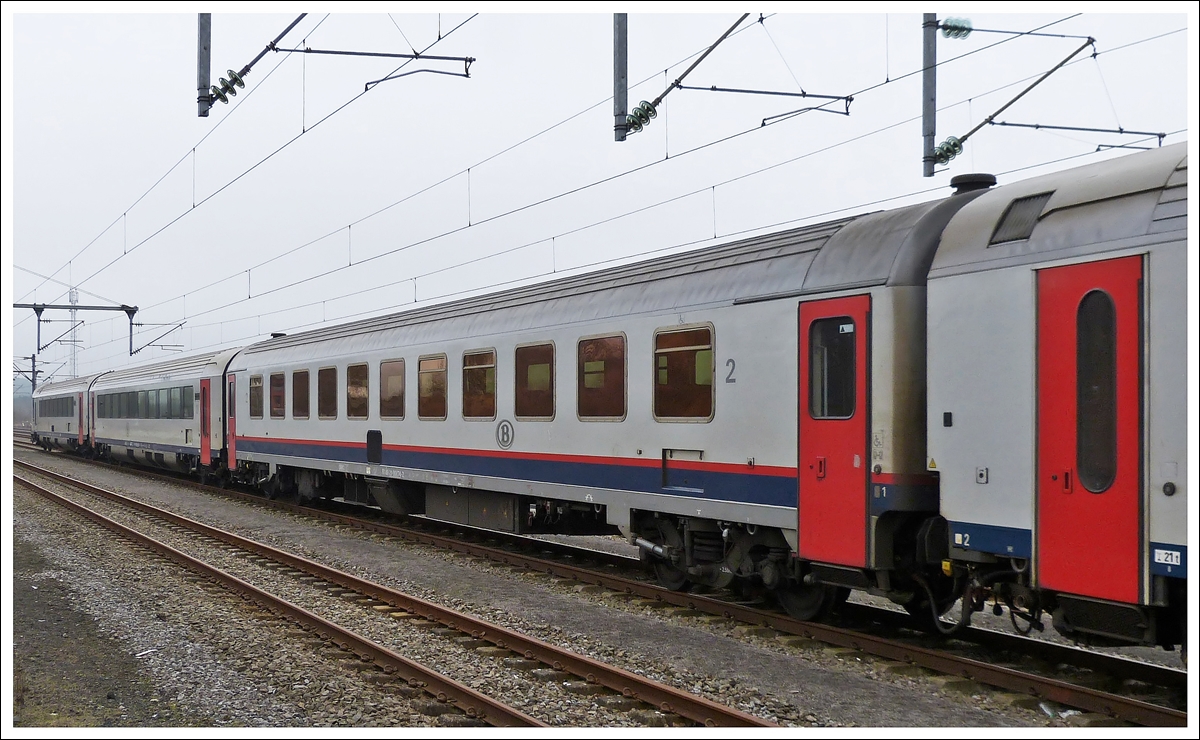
x=809, y=602
x=927, y=612
x=669, y=575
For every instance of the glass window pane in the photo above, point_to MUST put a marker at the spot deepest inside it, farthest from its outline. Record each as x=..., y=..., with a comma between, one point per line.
x=1096, y=390
x=143, y=406
x=327, y=393
x=186, y=398
x=601, y=381
x=831, y=368
x=391, y=389
x=431, y=387
x=357, y=391
x=176, y=412
x=256, y=397
x=278, y=400
x=535, y=381
x=152, y=398
x=479, y=385
x=683, y=387
x=300, y=394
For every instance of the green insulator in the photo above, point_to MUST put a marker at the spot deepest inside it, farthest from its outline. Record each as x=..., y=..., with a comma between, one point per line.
x=956, y=28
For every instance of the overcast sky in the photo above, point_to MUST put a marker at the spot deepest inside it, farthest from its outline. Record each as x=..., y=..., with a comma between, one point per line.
x=309, y=199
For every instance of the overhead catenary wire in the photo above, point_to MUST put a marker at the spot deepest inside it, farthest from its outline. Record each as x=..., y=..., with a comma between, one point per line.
x=191, y=151
x=444, y=180
x=233, y=341
x=237, y=178
x=638, y=210
x=576, y=190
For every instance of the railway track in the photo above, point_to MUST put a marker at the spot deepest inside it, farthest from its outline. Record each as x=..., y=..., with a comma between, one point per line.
x=579, y=674
x=878, y=633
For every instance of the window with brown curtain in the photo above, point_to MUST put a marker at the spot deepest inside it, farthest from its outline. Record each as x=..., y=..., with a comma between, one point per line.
x=300, y=394
x=327, y=393
x=391, y=389
x=431, y=387
x=357, y=391
x=602, y=378
x=683, y=383
x=256, y=397
x=479, y=385
x=278, y=401
x=535, y=382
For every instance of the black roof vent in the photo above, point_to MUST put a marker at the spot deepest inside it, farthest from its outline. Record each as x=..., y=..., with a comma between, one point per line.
x=973, y=181
x=277, y=334
x=1019, y=218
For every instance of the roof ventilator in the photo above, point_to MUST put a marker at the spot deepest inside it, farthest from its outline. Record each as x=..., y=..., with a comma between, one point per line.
x=1019, y=218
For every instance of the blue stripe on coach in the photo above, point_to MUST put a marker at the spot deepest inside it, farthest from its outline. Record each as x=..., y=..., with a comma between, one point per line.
x=770, y=490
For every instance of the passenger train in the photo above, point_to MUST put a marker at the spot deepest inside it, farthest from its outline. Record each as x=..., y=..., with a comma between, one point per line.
x=979, y=397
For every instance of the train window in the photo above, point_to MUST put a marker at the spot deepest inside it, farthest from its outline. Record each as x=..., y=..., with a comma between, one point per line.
x=176, y=401
x=601, y=378
x=256, y=397
x=431, y=387
x=278, y=396
x=300, y=394
x=143, y=411
x=683, y=382
x=1096, y=391
x=479, y=385
x=187, y=396
x=101, y=407
x=164, y=403
x=327, y=393
x=1019, y=219
x=131, y=405
x=357, y=391
x=535, y=382
x=152, y=398
x=391, y=389
x=119, y=405
x=831, y=371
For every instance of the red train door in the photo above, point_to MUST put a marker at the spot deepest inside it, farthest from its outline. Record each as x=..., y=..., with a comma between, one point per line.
x=231, y=437
x=832, y=456
x=80, y=403
x=1089, y=429
x=205, y=425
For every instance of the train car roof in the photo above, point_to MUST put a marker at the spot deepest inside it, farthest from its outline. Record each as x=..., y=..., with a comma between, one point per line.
x=166, y=371
x=1098, y=207
x=65, y=387
x=882, y=248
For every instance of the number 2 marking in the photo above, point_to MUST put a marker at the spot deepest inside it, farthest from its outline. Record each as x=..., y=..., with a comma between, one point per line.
x=731, y=365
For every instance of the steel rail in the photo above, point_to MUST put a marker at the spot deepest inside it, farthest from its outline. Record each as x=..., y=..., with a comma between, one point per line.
x=1123, y=667
x=1128, y=709
x=666, y=698
x=469, y=701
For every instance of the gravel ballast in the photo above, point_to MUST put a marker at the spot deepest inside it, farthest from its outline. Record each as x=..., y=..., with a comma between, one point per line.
x=210, y=661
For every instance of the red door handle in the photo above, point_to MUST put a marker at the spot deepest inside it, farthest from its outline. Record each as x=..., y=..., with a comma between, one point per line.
x=1067, y=482
x=820, y=467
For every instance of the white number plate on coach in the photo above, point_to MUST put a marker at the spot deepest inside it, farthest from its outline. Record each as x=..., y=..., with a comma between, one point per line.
x=1167, y=557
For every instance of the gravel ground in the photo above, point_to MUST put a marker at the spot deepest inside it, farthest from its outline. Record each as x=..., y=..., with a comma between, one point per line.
x=175, y=655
